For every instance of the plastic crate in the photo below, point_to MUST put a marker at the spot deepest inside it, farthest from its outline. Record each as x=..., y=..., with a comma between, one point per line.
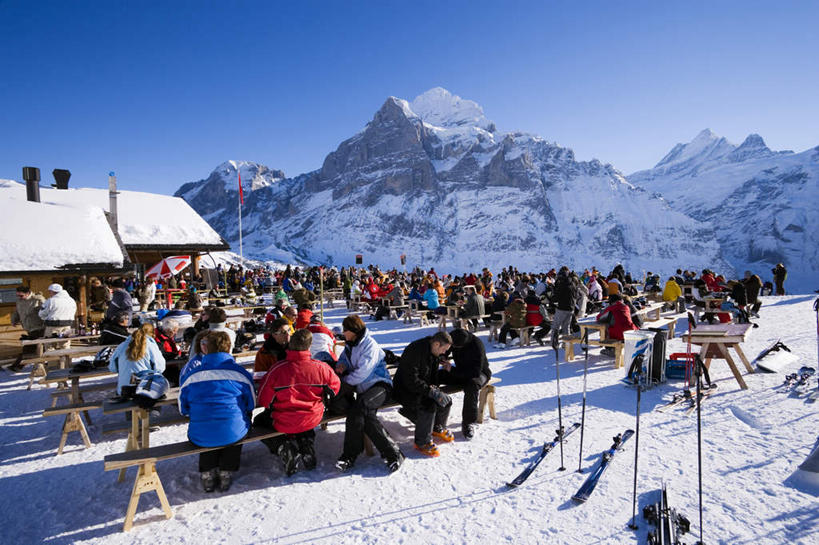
x=676, y=363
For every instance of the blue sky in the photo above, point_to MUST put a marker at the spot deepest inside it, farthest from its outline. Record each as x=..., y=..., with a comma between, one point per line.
x=163, y=92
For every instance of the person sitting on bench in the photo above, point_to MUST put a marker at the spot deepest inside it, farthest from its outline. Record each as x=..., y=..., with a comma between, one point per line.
x=618, y=318
x=218, y=396
x=471, y=370
x=138, y=353
x=416, y=388
x=363, y=367
x=116, y=331
x=292, y=394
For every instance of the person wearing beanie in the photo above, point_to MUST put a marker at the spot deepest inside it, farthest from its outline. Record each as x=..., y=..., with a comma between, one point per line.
x=471, y=371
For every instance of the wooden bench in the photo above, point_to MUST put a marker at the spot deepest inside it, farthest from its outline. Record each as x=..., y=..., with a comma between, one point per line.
x=416, y=311
x=466, y=322
x=619, y=350
x=331, y=295
x=73, y=421
x=523, y=334
x=69, y=393
x=568, y=344
x=146, y=457
x=494, y=330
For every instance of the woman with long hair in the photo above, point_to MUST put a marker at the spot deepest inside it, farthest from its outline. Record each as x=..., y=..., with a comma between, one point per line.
x=139, y=352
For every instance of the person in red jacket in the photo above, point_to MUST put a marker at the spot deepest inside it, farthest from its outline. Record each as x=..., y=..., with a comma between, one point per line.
x=292, y=394
x=303, y=316
x=618, y=317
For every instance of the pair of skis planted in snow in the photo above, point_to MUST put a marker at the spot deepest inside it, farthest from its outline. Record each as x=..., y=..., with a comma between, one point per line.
x=594, y=477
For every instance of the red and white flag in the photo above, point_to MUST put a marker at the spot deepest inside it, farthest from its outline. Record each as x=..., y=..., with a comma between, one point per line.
x=241, y=193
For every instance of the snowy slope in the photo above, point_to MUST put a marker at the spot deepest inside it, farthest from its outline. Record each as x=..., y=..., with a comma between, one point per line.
x=434, y=179
x=753, y=440
x=762, y=204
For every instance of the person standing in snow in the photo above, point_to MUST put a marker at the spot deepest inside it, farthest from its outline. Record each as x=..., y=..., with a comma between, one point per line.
x=416, y=388
x=147, y=294
x=780, y=273
x=25, y=314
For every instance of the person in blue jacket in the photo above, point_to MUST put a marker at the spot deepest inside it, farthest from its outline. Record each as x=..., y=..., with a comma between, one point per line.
x=139, y=352
x=218, y=395
x=363, y=367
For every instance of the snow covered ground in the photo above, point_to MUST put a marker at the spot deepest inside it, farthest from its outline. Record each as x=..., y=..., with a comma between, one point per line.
x=753, y=440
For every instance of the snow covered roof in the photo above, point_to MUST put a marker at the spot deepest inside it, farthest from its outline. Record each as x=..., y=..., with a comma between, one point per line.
x=49, y=236
x=143, y=219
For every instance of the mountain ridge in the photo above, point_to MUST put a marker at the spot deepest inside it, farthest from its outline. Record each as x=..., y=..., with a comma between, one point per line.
x=460, y=195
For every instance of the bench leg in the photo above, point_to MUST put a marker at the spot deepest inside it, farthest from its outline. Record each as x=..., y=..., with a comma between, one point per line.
x=569, y=348
x=486, y=397
x=618, y=355
x=147, y=479
x=131, y=444
x=493, y=332
x=73, y=422
x=38, y=370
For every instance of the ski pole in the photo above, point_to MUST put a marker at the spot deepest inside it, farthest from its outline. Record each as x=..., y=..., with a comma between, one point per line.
x=699, y=440
x=689, y=359
x=583, y=413
x=559, y=407
x=633, y=524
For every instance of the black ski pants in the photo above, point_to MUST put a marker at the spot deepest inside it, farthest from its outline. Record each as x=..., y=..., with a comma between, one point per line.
x=226, y=459
x=472, y=388
x=362, y=418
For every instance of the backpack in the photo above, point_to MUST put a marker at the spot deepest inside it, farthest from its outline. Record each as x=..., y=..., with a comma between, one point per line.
x=103, y=357
x=151, y=387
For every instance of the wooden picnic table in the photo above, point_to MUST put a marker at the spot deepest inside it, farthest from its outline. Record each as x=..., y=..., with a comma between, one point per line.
x=716, y=340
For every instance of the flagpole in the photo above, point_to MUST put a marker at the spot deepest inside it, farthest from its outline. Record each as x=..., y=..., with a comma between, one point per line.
x=241, y=201
x=241, y=252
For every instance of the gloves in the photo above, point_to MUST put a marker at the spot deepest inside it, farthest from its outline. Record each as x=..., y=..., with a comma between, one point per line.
x=439, y=397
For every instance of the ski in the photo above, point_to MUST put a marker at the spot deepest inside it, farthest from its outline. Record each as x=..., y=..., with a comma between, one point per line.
x=591, y=482
x=703, y=395
x=678, y=398
x=668, y=524
x=547, y=448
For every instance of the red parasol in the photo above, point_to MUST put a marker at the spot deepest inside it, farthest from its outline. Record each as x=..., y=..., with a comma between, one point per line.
x=168, y=266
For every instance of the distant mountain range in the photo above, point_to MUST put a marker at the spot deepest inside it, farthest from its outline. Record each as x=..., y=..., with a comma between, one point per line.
x=434, y=179
x=762, y=204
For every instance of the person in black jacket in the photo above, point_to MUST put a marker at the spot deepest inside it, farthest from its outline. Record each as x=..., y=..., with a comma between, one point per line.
x=120, y=301
x=115, y=331
x=563, y=298
x=471, y=370
x=415, y=386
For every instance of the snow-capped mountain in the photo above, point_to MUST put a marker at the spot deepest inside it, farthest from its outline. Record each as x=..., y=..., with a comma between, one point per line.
x=435, y=180
x=761, y=203
x=210, y=194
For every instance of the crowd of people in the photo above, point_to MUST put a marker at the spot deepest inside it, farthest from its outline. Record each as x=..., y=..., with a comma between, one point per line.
x=304, y=377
